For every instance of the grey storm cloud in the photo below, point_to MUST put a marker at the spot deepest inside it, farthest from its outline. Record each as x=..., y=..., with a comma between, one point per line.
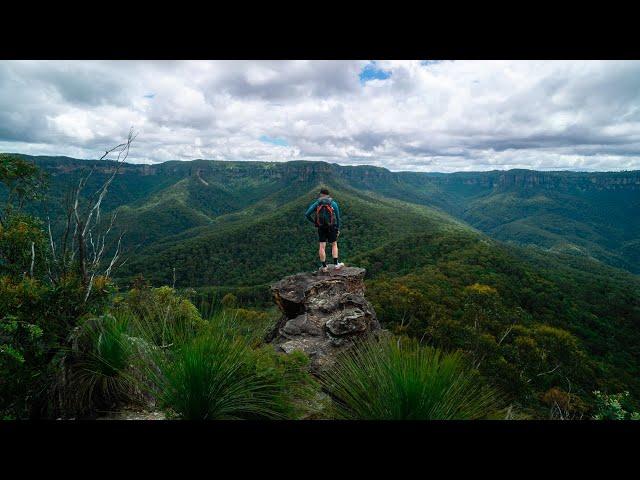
x=287, y=81
x=432, y=116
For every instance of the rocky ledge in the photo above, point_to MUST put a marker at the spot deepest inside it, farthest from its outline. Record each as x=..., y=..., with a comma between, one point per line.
x=322, y=314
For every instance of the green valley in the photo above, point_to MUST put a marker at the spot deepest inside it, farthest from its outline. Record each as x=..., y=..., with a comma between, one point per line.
x=532, y=274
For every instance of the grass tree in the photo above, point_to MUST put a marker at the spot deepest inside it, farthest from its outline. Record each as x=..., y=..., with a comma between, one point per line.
x=214, y=377
x=401, y=380
x=102, y=363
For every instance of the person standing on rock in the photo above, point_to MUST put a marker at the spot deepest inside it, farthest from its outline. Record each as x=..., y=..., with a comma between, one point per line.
x=324, y=213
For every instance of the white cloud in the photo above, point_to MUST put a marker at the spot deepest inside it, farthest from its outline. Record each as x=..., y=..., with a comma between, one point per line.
x=444, y=116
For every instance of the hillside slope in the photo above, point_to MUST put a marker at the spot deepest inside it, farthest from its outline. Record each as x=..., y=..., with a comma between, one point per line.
x=543, y=322
x=460, y=291
x=261, y=243
x=587, y=214
x=584, y=214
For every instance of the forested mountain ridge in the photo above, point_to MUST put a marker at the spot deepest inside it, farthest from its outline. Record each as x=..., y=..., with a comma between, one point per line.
x=547, y=323
x=587, y=214
x=270, y=239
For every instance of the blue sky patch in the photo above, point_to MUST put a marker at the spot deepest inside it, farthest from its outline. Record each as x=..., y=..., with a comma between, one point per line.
x=281, y=142
x=372, y=72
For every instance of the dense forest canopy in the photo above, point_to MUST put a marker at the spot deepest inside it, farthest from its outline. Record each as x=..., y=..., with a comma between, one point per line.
x=531, y=274
x=586, y=214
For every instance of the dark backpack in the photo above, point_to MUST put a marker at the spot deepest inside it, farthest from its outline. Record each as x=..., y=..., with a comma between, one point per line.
x=325, y=216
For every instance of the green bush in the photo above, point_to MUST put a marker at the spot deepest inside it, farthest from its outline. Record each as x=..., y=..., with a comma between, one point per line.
x=251, y=325
x=101, y=370
x=157, y=349
x=293, y=388
x=36, y=318
x=614, y=407
x=402, y=380
x=111, y=350
x=214, y=377
x=161, y=315
x=22, y=242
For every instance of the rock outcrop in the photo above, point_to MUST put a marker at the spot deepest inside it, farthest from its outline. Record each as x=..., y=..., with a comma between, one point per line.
x=322, y=314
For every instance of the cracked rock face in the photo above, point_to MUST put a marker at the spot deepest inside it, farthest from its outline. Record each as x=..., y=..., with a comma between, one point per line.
x=322, y=314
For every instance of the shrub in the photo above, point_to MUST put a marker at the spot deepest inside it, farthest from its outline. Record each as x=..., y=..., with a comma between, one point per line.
x=614, y=407
x=161, y=316
x=35, y=320
x=252, y=325
x=229, y=300
x=214, y=377
x=563, y=405
x=402, y=380
x=293, y=388
x=21, y=346
x=99, y=372
x=22, y=244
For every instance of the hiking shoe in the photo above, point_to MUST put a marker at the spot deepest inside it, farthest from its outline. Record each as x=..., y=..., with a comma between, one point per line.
x=323, y=269
x=338, y=266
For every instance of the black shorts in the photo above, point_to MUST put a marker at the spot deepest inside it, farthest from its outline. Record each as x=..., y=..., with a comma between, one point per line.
x=327, y=234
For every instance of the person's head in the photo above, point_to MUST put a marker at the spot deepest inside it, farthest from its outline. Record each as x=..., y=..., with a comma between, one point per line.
x=324, y=191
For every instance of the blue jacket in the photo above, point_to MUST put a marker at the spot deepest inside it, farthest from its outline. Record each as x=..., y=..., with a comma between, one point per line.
x=310, y=214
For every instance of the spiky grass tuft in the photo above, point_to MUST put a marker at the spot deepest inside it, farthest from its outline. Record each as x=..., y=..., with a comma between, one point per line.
x=213, y=377
x=402, y=380
x=99, y=373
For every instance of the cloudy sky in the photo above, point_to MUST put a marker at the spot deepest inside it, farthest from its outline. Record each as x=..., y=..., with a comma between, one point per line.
x=404, y=115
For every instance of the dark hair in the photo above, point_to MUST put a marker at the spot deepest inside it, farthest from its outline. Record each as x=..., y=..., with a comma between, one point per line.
x=324, y=191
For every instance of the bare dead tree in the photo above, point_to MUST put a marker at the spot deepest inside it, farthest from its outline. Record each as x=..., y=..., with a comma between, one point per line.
x=506, y=333
x=33, y=259
x=565, y=410
x=84, y=241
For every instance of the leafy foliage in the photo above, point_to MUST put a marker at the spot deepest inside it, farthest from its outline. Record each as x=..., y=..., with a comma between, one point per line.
x=163, y=317
x=98, y=372
x=22, y=180
x=564, y=405
x=37, y=313
x=546, y=324
x=216, y=377
x=527, y=321
x=402, y=380
x=23, y=246
x=36, y=319
x=614, y=407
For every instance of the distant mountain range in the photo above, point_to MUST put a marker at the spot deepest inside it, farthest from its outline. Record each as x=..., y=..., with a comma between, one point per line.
x=583, y=214
x=560, y=249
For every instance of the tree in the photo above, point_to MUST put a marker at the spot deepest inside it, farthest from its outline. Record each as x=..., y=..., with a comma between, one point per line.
x=84, y=242
x=21, y=237
x=489, y=321
x=47, y=286
x=23, y=180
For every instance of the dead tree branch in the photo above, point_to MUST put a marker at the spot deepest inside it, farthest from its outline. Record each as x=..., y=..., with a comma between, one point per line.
x=84, y=240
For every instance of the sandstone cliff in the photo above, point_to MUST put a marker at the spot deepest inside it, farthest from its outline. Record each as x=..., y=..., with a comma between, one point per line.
x=322, y=314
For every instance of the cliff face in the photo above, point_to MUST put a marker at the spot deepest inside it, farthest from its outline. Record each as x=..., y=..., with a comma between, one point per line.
x=364, y=175
x=531, y=179
x=322, y=314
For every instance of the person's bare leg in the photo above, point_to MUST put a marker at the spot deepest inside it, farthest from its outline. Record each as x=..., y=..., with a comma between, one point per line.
x=321, y=252
x=334, y=253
